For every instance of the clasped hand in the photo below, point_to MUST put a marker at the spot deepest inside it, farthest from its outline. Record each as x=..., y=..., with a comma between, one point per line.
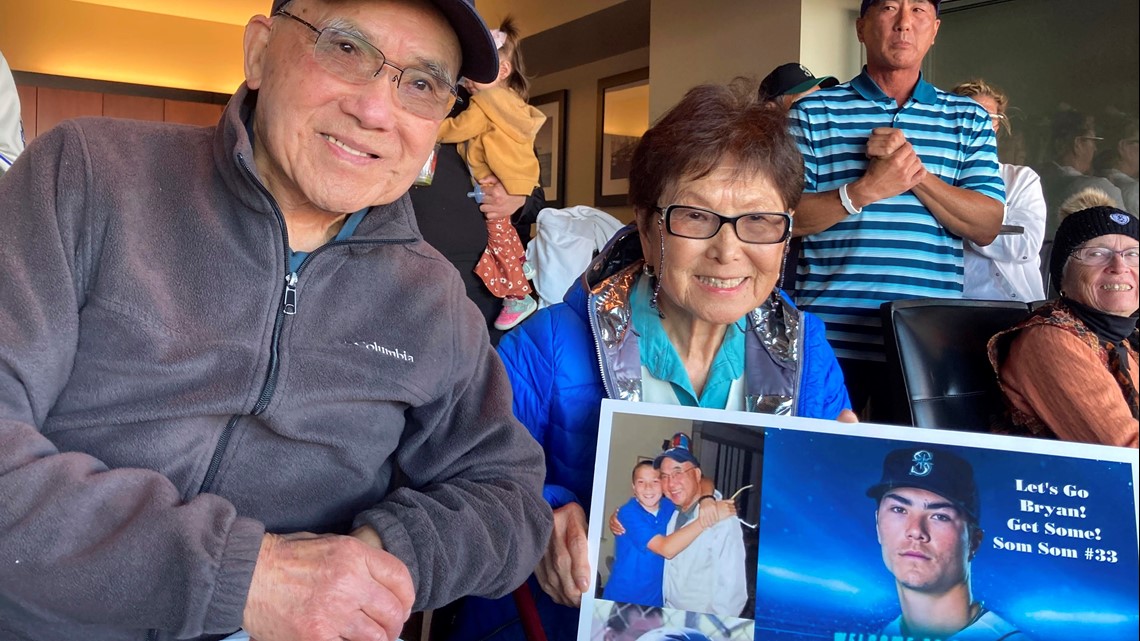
x=894, y=167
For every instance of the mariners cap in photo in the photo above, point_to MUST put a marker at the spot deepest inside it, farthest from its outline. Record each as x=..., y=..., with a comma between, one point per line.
x=868, y=3
x=678, y=451
x=791, y=78
x=926, y=468
x=480, y=56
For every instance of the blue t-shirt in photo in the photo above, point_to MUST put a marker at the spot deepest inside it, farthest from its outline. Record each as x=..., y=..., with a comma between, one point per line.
x=637, y=572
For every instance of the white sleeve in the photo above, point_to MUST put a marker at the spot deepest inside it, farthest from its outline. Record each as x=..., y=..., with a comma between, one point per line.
x=11, y=131
x=1024, y=206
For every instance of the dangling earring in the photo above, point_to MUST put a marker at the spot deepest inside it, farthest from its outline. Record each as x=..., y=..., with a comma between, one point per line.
x=660, y=269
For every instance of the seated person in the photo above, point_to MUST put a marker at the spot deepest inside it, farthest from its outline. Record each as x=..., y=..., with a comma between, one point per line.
x=1069, y=371
x=227, y=399
x=681, y=308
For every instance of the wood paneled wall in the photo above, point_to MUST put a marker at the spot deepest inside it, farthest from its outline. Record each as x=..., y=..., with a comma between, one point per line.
x=42, y=108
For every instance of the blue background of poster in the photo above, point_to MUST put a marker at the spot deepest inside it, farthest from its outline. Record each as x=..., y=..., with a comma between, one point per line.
x=821, y=573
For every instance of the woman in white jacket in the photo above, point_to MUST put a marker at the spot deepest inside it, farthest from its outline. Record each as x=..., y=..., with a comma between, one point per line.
x=1010, y=267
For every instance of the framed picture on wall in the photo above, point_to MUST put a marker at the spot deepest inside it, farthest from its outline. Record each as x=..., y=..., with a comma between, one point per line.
x=550, y=145
x=623, y=116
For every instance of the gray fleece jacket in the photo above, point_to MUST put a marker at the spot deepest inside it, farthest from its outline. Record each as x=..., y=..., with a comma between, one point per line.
x=167, y=395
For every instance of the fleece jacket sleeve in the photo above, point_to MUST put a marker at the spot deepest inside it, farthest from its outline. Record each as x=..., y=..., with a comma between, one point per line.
x=80, y=542
x=469, y=517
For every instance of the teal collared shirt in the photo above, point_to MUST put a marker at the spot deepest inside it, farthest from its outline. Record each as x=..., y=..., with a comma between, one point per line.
x=924, y=92
x=661, y=361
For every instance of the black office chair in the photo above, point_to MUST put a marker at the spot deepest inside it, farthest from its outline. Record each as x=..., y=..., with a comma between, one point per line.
x=936, y=357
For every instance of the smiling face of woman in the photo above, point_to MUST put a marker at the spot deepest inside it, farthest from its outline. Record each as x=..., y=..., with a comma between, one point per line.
x=1110, y=288
x=714, y=281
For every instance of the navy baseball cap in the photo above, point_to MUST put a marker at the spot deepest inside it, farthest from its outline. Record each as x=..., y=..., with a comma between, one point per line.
x=480, y=55
x=944, y=473
x=678, y=451
x=792, y=78
x=868, y=3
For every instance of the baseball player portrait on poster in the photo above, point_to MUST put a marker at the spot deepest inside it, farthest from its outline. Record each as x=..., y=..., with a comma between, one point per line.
x=877, y=533
x=869, y=538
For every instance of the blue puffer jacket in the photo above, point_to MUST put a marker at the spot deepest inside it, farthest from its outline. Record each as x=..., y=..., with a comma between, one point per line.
x=552, y=361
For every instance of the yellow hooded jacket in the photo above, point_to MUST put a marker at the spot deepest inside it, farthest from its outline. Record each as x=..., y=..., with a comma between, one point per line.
x=496, y=135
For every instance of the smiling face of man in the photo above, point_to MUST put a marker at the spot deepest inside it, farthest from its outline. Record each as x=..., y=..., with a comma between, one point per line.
x=681, y=482
x=325, y=144
x=927, y=542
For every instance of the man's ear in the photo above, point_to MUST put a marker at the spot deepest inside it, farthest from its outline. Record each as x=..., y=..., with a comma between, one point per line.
x=859, y=30
x=976, y=538
x=255, y=43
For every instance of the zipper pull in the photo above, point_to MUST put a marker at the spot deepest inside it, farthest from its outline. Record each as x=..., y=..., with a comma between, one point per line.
x=291, y=294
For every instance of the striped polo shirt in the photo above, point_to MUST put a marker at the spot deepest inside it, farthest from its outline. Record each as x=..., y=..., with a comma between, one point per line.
x=895, y=248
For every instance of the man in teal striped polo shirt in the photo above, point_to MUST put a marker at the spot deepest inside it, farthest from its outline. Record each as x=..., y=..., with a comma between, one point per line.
x=897, y=173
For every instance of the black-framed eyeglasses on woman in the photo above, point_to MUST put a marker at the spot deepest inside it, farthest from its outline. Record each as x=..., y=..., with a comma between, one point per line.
x=424, y=93
x=760, y=228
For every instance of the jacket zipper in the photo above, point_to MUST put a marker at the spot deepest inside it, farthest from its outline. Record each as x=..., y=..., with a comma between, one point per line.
x=288, y=307
x=598, y=346
x=288, y=298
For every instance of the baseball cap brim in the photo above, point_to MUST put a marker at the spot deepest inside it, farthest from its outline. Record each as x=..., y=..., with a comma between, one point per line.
x=480, y=56
x=679, y=454
x=824, y=82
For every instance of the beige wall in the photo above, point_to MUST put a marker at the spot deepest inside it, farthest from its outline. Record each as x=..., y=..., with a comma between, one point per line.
x=534, y=16
x=84, y=40
x=582, y=98
x=828, y=45
x=698, y=42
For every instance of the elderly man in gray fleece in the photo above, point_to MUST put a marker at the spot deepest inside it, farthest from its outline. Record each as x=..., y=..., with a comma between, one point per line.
x=237, y=388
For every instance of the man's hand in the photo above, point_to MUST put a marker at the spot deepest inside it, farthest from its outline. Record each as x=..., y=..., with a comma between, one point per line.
x=311, y=587
x=564, y=572
x=894, y=168
x=715, y=511
x=497, y=203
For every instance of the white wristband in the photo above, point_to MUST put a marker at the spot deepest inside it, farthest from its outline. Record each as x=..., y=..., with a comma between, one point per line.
x=847, y=204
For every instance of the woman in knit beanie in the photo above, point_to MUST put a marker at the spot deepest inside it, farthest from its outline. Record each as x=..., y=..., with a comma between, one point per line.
x=1069, y=371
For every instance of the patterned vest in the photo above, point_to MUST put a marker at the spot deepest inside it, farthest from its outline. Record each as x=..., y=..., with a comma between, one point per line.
x=1057, y=314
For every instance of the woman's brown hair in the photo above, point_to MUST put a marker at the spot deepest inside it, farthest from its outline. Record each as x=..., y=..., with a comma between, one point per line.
x=711, y=126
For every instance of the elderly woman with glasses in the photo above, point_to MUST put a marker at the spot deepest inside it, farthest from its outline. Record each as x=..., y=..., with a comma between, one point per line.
x=1069, y=371
x=680, y=308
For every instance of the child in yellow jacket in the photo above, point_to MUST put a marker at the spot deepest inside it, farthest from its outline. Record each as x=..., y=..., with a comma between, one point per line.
x=496, y=137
